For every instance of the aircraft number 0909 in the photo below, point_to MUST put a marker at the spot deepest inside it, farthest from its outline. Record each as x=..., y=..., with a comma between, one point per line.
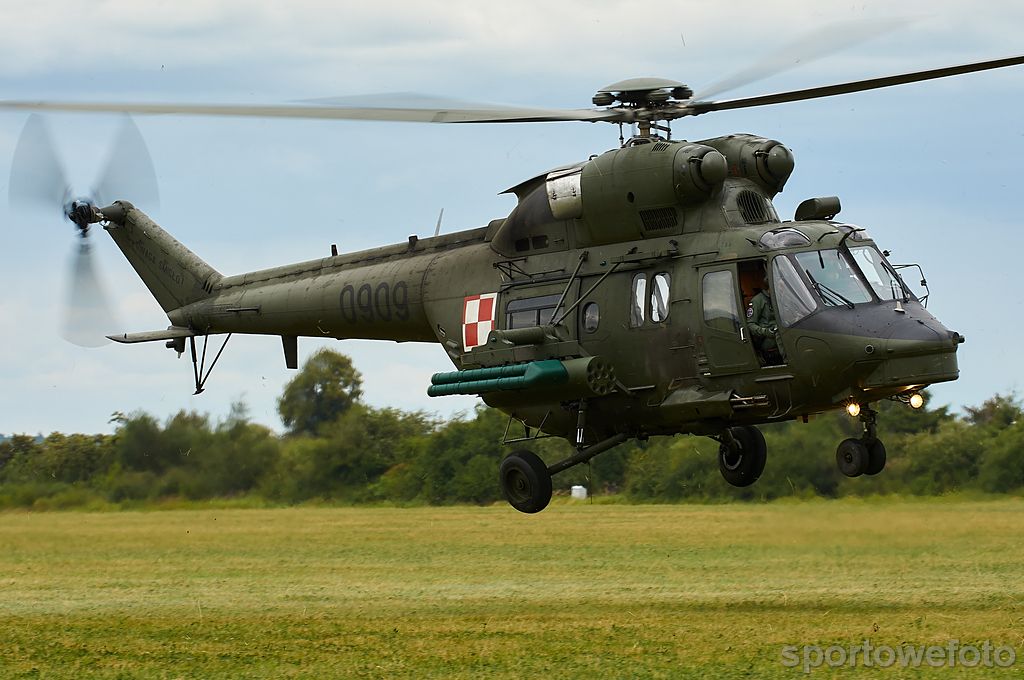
x=382, y=303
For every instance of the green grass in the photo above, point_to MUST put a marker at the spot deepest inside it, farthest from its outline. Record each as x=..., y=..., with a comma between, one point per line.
x=580, y=590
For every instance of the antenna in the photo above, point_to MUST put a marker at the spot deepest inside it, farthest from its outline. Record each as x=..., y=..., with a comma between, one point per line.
x=437, y=229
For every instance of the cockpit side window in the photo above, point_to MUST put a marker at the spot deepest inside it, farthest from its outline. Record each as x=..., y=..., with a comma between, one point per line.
x=792, y=299
x=719, y=294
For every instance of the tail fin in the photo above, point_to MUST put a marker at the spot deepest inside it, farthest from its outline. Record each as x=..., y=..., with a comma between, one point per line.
x=174, y=274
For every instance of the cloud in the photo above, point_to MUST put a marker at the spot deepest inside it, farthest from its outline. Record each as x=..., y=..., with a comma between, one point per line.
x=349, y=45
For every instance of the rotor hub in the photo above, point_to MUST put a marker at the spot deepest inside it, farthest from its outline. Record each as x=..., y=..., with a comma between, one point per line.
x=643, y=93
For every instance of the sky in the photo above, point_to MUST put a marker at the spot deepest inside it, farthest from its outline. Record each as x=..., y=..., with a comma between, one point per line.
x=930, y=169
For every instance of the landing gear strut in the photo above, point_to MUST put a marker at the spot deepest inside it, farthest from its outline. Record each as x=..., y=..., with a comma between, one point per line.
x=864, y=456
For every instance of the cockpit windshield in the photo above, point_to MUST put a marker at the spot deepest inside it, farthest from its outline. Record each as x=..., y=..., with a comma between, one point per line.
x=838, y=278
x=833, y=277
x=883, y=279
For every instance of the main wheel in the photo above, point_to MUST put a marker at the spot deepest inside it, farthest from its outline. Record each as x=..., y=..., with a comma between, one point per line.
x=876, y=457
x=525, y=481
x=741, y=462
x=852, y=457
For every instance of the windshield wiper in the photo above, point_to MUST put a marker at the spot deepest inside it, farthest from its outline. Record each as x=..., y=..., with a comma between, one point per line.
x=893, y=286
x=896, y=282
x=827, y=294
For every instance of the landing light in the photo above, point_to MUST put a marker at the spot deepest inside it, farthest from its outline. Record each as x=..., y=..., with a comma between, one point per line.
x=916, y=400
x=853, y=408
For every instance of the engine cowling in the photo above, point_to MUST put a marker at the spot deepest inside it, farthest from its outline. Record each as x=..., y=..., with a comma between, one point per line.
x=765, y=162
x=699, y=169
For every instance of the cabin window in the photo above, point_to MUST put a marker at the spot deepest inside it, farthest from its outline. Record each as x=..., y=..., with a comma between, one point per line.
x=659, y=297
x=530, y=312
x=719, y=293
x=638, y=302
x=591, y=317
x=538, y=242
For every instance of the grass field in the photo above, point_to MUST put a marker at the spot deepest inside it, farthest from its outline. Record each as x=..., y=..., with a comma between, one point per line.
x=580, y=590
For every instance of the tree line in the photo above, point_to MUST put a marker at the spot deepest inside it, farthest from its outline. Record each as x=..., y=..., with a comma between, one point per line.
x=338, y=449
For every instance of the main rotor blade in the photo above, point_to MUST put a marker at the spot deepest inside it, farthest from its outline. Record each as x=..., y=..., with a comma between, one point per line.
x=129, y=171
x=37, y=176
x=88, y=317
x=810, y=47
x=699, y=107
x=484, y=114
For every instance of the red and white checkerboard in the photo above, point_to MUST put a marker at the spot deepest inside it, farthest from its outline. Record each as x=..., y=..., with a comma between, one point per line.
x=478, y=314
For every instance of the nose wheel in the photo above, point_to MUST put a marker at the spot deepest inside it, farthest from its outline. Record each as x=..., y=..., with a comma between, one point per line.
x=864, y=456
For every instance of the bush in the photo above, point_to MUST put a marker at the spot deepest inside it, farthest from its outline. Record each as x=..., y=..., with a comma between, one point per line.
x=1002, y=467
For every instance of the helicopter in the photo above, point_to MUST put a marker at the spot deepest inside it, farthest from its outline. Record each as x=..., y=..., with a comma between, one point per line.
x=614, y=302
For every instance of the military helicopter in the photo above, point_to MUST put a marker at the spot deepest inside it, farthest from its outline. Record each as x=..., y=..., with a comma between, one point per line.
x=607, y=306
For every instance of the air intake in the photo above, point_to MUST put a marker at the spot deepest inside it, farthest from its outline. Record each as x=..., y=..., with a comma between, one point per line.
x=655, y=219
x=754, y=208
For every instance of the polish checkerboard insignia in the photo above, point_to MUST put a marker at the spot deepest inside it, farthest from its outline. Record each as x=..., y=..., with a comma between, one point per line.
x=478, y=315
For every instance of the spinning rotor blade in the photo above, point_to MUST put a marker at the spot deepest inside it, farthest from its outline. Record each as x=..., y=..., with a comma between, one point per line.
x=88, y=317
x=700, y=107
x=478, y=113
x=812, y=46
x=129, y=171
x=37, y=176
x=434, y=110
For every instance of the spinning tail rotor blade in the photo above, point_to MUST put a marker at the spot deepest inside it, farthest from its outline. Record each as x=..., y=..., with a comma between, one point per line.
x=37, y=176
x=38, y=180
x=129, y=172
x=88, y=316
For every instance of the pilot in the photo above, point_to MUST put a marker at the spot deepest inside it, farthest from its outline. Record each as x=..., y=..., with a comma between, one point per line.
x=763, y=326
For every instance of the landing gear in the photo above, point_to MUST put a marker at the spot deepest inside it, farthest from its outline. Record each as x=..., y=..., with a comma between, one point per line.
x=864, y=456
x=852, y=457
x=876, y=457
x=525, y=481
x=742, y=455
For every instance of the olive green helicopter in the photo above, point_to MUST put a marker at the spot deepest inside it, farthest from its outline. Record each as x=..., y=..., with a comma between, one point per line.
x=648, y=290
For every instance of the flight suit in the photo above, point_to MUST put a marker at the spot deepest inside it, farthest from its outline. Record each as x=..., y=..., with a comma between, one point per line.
x=762, y=324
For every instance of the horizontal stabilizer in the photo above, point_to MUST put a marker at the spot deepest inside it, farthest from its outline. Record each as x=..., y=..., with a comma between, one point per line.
x=171, y=333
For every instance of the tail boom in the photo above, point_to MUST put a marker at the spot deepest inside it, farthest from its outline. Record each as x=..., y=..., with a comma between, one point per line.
x=174, y=274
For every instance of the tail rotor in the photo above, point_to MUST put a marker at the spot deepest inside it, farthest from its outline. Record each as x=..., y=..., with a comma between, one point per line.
x=39, y=182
